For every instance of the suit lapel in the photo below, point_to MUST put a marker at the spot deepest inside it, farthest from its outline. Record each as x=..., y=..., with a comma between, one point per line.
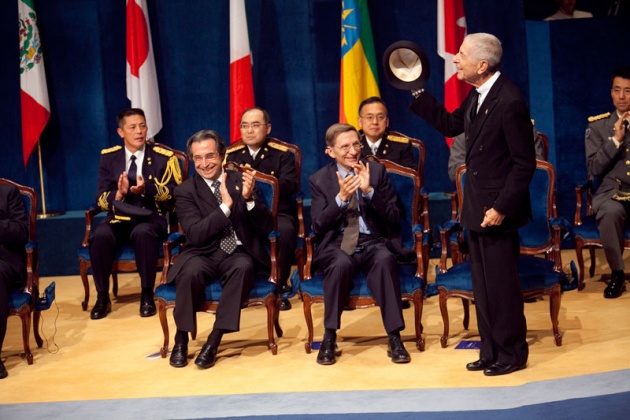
x=205, y=193
x=485, y=109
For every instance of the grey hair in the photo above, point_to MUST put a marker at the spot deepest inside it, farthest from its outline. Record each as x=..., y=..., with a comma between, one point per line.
x=487, y=47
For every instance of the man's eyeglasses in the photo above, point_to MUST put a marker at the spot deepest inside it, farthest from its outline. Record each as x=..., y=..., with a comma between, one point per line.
x=345, y=149
x=378, y=117
x=207, y=156
x=253, y=126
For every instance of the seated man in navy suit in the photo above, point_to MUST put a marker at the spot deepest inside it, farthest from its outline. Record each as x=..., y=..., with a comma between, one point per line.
x=356, y=220
x=226, y=227
x=13, y=238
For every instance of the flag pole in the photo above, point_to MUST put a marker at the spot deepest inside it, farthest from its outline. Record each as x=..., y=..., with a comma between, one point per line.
x=43, y=214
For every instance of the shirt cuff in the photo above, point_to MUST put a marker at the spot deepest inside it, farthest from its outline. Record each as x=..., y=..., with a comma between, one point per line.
x=225, y=209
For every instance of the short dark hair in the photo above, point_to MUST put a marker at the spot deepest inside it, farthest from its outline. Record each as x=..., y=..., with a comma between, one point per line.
x=371, y=100
x=623, y=72
x=264, y=112
x=120, y=117
x=336, y=129
x=202, y=135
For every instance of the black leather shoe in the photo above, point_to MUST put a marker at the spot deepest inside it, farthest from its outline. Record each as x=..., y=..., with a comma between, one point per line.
x=207, y=356
x=497, y=369
x=147, y=306
x=480, y=364
x=406, y=304
x=327, y=354
x=285, y=305
x=179, y=355
x=3, y=371
x=616, y=286
x=102, y=307
x=396, y=350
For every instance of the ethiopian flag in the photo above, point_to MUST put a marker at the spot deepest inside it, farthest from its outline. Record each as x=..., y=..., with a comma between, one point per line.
x=34, y=91
x=359, y=78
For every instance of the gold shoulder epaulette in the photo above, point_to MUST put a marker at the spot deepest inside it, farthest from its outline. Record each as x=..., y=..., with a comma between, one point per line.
x=111, y=149
x=158, y=149
x=278, y=146
x=234, y=149
x=398, y=139
x=599, y=117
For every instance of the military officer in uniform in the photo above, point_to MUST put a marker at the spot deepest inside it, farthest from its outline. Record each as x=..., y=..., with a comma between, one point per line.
x=373, y=122
x=264, y=155
x=135, y=187
x=607, y=145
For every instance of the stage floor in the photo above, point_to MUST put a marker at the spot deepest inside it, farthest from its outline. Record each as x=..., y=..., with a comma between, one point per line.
x=118, y=357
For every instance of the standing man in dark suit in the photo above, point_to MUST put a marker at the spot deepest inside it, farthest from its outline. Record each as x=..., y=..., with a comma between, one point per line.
x=607, y=157
x=376, y=140
x=266, y=156
x=226, y=228
x=500, y=163
x=135, y=188
x=350, y=196
x=13, y=238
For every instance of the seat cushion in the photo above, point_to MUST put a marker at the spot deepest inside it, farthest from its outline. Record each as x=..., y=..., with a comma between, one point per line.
x=18, y=298
x=262, y=287
x=534, y=273
x=123, y=253
x=406, y=272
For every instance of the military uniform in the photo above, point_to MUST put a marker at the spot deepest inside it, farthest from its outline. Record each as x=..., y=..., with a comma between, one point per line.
x=609, y=164
x=161, y=173
x=395, y=148
x=275, y=159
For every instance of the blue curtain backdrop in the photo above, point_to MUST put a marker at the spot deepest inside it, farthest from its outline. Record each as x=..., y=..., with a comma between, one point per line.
x=295, y=47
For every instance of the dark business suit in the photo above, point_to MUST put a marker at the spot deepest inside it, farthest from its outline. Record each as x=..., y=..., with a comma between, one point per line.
x=161, y=173
x=13, y=238
x=274, y=159
x=608, y=163
x=202, y=260
x=394, y=148
x=382, y=247
x=500, y=161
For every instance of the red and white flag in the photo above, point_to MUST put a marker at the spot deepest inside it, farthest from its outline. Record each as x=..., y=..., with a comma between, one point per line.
x=142, y=83
x=34, y=91
x=451, y=25
x=241, y=80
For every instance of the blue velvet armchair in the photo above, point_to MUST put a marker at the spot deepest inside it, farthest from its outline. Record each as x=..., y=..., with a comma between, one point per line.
x=265, y=290
x=585, y=229
x=539, y=276
x=406, y=181
x=125, y=259
x=23, y=301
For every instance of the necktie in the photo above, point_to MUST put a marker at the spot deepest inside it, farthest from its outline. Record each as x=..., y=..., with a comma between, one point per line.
x=351, y=232
x=132, y=173
x=374, y=150
x=474, y=106
x=228, y=240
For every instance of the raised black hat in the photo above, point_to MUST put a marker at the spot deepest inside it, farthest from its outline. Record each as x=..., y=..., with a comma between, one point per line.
x=406, y=66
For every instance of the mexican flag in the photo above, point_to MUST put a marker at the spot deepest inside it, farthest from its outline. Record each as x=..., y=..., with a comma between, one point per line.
x=34, y=92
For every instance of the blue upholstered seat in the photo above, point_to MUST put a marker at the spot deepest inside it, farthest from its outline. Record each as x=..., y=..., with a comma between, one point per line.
x=23, y=301
x=264, y=291
x=585, y=229
x=538, y=276
x=414, y=236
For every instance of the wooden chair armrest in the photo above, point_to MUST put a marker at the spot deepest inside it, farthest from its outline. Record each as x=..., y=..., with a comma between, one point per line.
x=424, y=216
x=89, y=220
x=310, y=243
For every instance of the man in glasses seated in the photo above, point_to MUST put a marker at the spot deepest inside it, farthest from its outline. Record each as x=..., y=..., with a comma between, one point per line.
x=356, y=221
x=376, y=140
